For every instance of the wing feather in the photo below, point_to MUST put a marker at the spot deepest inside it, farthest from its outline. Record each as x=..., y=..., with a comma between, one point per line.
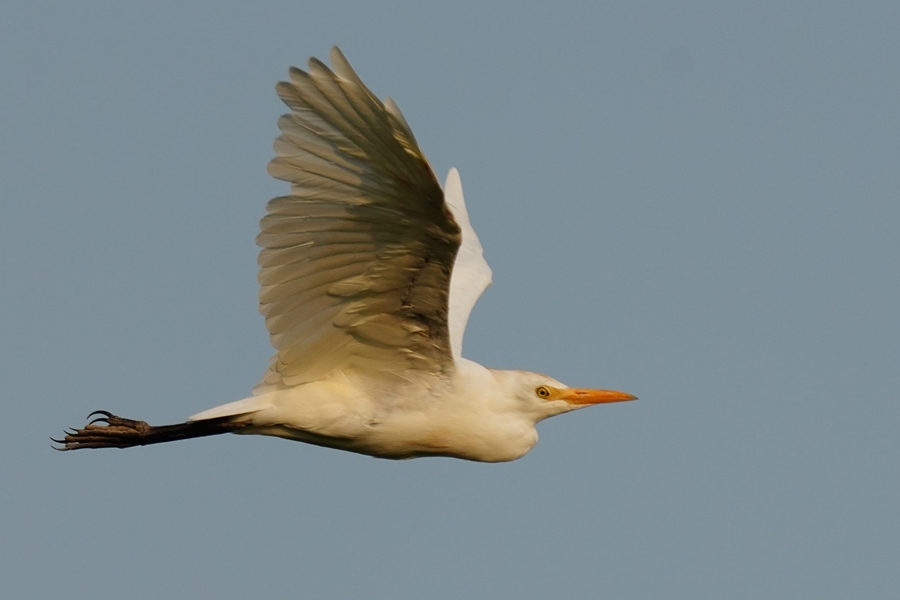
x=471, y=273
x=356, y=261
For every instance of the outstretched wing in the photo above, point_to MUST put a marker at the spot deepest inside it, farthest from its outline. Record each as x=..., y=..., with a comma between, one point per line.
x=356, y=261
x=471, y=273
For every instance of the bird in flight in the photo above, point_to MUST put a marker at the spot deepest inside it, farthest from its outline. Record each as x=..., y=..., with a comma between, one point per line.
x=369, y=270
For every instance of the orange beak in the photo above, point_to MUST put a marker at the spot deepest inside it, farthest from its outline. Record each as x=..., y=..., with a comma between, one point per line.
x=581, y=397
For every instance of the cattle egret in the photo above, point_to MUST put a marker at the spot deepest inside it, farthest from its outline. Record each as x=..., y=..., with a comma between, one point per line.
x=369, y=271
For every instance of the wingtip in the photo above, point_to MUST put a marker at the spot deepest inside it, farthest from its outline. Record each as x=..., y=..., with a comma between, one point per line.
x=453, y=179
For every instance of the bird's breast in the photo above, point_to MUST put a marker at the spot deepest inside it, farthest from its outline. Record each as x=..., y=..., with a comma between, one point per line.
x=469, y=434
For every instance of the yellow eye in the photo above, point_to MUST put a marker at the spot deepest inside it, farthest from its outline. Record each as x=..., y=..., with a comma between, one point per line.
x=543, y=391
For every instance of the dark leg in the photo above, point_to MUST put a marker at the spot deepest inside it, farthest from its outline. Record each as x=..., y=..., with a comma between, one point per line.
x=125, y=433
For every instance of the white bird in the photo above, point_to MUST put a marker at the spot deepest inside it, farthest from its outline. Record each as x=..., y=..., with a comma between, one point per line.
x=369, y=271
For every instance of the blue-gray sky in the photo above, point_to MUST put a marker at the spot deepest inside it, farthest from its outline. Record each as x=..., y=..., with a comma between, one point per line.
x=695, y=202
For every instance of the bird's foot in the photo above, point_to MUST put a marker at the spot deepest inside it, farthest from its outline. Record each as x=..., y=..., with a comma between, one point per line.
x=115, y=432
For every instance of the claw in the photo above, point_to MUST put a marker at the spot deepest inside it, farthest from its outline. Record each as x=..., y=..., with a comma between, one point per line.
x=99, y=420
x=105, y=413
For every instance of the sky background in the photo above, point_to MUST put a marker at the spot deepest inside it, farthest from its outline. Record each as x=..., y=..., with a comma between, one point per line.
x=695, y=202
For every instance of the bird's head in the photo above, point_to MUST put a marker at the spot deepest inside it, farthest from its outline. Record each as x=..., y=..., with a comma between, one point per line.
x=545, y=397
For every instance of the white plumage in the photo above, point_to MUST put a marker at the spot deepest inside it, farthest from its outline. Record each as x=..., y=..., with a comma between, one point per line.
x=369, y=271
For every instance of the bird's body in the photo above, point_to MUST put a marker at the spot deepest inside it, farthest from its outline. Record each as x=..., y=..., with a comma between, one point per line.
x=466, y=415
x=369, y=271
